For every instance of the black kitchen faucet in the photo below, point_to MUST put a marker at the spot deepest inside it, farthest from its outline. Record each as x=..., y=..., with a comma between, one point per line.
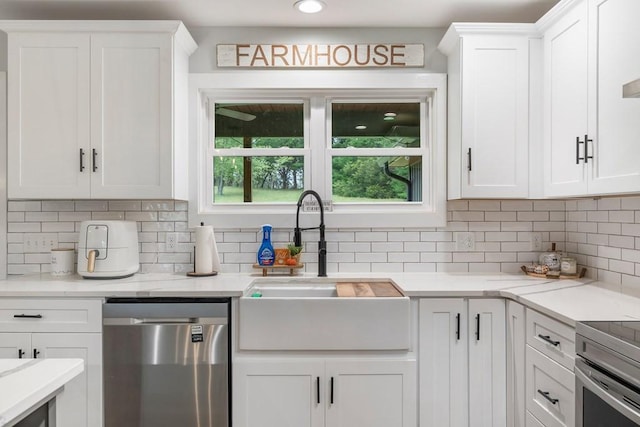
x=322, y=245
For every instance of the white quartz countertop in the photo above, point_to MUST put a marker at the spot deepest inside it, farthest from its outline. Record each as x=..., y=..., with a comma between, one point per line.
x=566, y=300
x=26, y=384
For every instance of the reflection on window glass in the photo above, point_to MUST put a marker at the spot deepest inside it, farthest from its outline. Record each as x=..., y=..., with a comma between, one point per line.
x=259, y=125
x=377, y=179
x=375, y=125
x=261, y=179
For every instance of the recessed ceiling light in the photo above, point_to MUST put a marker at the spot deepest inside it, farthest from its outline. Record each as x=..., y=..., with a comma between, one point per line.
x=389, y=118
x=390, y=114
x=309, y=6
x=361, y=127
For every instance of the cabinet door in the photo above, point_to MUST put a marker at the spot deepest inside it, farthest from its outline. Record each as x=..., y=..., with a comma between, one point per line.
x=487, y=363
x=80, y=403
x=565, y=103
x=371, y=393
x=48, y=115
x=443, y=362
x=288, y=393
x=614, y=55
x=516, y=344
x=131, y=116
x=15, y=345
x=495, y=116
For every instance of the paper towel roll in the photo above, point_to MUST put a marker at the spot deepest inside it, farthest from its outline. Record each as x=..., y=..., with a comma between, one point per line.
x=207, y=259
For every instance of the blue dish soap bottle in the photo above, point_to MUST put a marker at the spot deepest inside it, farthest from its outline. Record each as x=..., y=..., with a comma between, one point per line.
x=266, y=255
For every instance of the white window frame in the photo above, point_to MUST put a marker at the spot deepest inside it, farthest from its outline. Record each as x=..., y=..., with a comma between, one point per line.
x=430, y=213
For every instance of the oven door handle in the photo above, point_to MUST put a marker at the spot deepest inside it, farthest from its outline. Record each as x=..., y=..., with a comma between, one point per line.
x=619, y=406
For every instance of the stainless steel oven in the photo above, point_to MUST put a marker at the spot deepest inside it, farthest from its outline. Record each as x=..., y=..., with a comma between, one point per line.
x=608, y=374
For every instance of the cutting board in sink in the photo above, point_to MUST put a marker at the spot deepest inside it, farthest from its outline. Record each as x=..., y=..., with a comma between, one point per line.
x=367, y=289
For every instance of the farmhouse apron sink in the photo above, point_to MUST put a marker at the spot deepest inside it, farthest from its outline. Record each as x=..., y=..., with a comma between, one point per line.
x=316, y=314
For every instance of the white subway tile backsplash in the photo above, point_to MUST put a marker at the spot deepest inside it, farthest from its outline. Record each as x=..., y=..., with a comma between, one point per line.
x=609, y=204
x=631, y=203
x=622, y=241
x=15, y=205
x=621, y=216
x=108, y=216
x=602, y=234
x=484, y=205
x=533, y=216
x=15, y=216
x=621, y=266
x=484, y=226
x=124, y=205
x=549, y=205
x=516, y=226
x=91, y=205
x=501, y=216
x=159, y=205
x=141, y=216
x=58, y=206
x=40, y=216
x=517, y=205
x=468, y=216
x=391, y=247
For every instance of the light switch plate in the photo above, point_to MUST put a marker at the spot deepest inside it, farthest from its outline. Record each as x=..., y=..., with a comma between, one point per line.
x=465, y=241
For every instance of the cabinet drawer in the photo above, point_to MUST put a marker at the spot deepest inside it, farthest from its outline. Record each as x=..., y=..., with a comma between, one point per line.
x=550, y=390
x=50, y=315
x=532, y=421
x=551, y=338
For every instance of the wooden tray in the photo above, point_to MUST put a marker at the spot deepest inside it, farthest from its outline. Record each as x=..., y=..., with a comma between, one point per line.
x=279, y=269
x=550, y=275
x=367, y=289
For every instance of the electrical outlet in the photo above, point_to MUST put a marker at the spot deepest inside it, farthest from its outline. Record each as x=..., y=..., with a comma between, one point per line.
x=171, y=242
x=40, y=242
x=465, y=241
x=535, y=242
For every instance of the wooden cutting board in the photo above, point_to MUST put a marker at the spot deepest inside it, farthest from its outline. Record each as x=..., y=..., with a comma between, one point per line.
x=367, y=289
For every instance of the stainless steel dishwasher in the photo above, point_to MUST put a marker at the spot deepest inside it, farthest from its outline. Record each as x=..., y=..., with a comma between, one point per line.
x=166, y=362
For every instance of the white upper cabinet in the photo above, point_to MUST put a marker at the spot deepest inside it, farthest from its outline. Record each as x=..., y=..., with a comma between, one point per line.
x=488, y=111
x=48, y=115
x=590, y=130
x=565, y=103
x=97, y=109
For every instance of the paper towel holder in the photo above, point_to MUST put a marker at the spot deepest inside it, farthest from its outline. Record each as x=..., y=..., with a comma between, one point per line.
x=194, y=274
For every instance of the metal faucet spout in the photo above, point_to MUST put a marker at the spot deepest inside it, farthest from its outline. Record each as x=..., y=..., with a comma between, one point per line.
x=322, y=244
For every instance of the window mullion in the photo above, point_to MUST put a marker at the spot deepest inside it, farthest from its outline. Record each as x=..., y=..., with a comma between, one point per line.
x=317, y=144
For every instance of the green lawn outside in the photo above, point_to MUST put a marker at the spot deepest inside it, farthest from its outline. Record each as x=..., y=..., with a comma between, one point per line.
x=235, y=195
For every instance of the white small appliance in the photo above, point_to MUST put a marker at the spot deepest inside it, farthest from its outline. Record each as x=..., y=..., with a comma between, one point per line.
x=108, y=249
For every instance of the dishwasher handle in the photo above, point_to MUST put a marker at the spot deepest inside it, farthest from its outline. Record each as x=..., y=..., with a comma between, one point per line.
x=164, y=321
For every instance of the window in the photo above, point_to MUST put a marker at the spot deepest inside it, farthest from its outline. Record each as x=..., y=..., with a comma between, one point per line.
x=376, y=155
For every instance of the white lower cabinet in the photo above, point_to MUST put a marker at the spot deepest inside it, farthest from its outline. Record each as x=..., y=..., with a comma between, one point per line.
x=516, y=345
x=55, y=328
x=549, y=362
x=462, y=362
x=301, y=392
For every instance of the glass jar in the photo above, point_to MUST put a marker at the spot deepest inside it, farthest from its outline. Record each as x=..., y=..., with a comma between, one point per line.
x=568, y=266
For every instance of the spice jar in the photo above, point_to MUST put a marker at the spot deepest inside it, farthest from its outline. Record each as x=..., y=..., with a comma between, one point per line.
x=568, y=266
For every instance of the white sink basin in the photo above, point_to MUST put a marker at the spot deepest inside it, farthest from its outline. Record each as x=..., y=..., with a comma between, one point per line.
x=307, y=314
x=288, y=290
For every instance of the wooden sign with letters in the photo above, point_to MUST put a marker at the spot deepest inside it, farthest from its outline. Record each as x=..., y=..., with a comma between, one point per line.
x=379, y=55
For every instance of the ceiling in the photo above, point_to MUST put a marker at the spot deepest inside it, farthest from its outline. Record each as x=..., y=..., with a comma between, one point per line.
x=280, y=13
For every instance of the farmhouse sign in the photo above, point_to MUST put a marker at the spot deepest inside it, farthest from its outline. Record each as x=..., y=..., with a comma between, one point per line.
x=320, y=55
